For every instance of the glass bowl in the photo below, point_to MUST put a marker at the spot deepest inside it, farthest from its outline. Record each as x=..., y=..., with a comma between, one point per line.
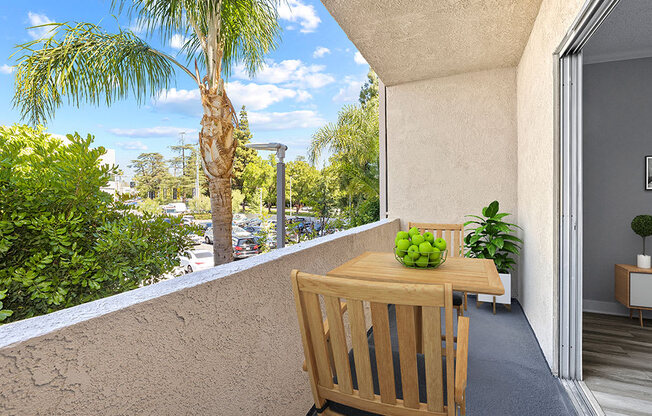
x=435, y=259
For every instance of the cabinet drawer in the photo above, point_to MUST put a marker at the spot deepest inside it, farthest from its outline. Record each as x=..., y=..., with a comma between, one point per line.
x=640, y=289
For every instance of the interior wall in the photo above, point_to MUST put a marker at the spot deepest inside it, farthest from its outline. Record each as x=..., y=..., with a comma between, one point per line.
x=451, y=147
x=617, y=135
x=537, y=171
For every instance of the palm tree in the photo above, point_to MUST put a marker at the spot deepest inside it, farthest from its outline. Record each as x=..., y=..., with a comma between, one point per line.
x=80, y=62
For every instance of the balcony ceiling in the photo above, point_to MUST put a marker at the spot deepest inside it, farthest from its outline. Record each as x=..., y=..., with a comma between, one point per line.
x=411, y=40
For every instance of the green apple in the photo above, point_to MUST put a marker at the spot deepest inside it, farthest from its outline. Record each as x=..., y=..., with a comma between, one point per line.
x=422, y=261
x=425, y=248
x=403, y=235
x=435, y=254
x=440, y=243
x=413, y=231
x=417, y=239
x=402, y=246
x=413, y=251
x=429, y=237
x=407, y=260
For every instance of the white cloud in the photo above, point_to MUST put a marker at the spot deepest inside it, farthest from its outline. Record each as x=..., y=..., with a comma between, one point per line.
x=132, y=145
x=36, y=19
x=177, y=41
x=6, y=69
x=359, y=59
x=182, y=101
x=320, y=52
x=261, y=96
x=298, y=12
x=350, y=91
x=158, y=131
x=285, y=120
x=289, y=73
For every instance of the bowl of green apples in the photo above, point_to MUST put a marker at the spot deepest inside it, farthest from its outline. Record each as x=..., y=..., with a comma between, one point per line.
x=420, y=251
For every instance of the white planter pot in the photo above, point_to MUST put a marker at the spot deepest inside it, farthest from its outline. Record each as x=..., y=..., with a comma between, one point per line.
x=643, y=261
x=506, y=298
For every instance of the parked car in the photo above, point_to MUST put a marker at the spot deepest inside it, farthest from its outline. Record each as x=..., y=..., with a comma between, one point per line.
x=240, y=232
x=196, y=239
x=191, y=261
x=245, y=247
x=239, y=219
x=253, y=229
x=174, y=209
x=208, y=235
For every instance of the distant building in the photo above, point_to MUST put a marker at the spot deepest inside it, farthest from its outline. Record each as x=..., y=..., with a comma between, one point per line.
x=119, y=185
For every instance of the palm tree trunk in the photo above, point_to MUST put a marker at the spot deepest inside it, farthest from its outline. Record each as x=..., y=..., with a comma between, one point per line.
x=217, y=147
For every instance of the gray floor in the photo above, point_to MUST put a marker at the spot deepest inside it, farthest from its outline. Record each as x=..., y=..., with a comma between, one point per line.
x=617, y=363
x=508, y=374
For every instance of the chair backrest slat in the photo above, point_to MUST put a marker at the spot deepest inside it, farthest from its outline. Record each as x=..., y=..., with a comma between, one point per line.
x=407, y=348
x=338, y=343
x=360, y=348
x=416, y=305
x=432, y=347
x=316, y=328
x=452, y=233
x=384, y=356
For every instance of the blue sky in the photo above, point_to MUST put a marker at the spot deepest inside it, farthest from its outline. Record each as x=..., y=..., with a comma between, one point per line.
x=307, y=79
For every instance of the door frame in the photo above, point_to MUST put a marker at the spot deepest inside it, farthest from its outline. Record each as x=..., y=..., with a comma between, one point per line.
x=568, y=139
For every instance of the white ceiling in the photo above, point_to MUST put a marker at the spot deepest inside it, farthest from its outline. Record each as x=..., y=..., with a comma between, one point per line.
x=625, y=34
x=410, y=40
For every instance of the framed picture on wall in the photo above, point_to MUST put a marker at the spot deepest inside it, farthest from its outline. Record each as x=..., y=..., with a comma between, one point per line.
x=648, y=173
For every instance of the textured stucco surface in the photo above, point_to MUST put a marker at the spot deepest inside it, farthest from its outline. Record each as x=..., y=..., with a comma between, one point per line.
x=537, y=170
x=227, y=346
x=410, y=40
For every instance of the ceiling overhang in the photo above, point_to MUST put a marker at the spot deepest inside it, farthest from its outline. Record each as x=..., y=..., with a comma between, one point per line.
x=411, y=40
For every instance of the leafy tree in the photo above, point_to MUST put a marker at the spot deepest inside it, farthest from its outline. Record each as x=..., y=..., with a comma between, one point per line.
x=149, y=206
x=183, y=177
x=642, y=225
x=80, y=62
x=151, y=173
x=258, y=175
x=237, y=199
x=304, y=179
x=200, y=203
x=63, y=241
x=352, y=143
x=323, y=198
x=369, y=90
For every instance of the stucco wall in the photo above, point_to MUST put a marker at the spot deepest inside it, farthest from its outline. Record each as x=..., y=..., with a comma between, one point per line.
x=228, y=345
x=451, y=146
x=537, y=152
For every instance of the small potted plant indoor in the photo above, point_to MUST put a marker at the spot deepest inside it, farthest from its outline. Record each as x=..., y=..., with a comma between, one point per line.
x=494, y=239
x=642, y=225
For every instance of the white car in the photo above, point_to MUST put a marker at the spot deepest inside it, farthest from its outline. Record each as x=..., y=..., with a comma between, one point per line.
x=191, y=261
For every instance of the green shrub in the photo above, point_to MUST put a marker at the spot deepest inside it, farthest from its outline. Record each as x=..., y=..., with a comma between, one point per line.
x=63, y=241
x=492, y=238
x=642, y=225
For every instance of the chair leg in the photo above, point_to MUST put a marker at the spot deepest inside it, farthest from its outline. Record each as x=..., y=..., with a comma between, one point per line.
x=463, y=406
x=465, y=302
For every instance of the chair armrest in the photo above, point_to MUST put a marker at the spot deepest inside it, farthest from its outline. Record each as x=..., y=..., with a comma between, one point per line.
x=461, y=359
x=327, y=334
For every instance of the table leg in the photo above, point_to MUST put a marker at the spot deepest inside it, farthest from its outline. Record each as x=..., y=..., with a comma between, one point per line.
x=640, y=316
x=494, y=305
x=630, y=313
x=418, y=331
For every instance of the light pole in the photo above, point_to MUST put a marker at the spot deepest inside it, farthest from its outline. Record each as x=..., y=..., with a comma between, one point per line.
x=290, y=195
x=197, y=173
x=280, y=186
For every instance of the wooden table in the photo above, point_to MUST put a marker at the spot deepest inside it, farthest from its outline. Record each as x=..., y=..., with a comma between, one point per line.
x=464, y=274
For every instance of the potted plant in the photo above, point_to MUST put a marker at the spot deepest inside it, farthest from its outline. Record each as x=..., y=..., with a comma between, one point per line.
x=494, y=239
x=642, y=225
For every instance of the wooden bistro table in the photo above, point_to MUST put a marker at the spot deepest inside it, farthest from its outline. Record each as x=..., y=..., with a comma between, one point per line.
x=464, y=274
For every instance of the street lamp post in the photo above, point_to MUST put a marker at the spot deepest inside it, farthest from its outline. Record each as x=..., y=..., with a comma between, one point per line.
x=280, y=186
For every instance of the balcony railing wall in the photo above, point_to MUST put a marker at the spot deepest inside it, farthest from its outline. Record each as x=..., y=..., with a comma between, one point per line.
x=223, y=342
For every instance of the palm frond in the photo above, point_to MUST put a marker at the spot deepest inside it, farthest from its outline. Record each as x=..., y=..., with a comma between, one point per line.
x=244, y=31
x=81, y=63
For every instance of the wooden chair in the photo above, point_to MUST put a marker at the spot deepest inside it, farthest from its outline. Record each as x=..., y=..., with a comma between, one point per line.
x=454, y=236
x=338, y=379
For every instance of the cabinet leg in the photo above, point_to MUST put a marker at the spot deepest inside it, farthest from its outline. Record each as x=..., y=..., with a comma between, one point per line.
x=640, y=316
